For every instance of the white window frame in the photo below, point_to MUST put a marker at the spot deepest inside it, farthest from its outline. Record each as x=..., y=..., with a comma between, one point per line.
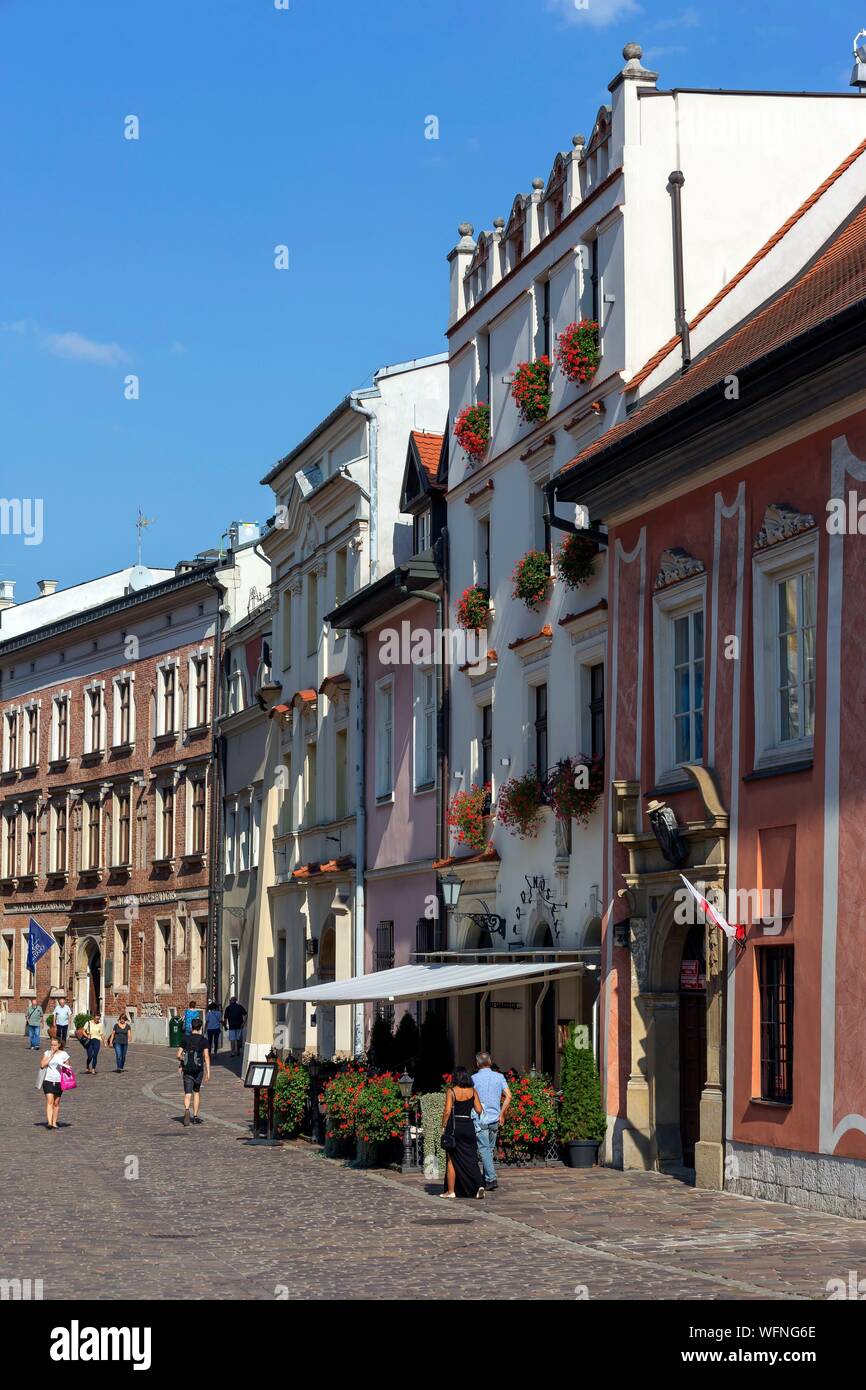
x=588, y=652
x=769, y=567
x=341, y=731
x=30, y=707
x=255, y=848
x=120, y=679
x=26, y=809
x=14, y=713
x=94, y=688
x=121, y=986
x=27, y=983
x=385, y=772
x=162, y=933
x=116, y=861
x=189, y=846
x=58, y=961
x=423, y=530
x=230, y=840
x=11, y=870
x=161, y=672
x=423, y=717
x=286, y=629
x=56, y=753
x=311, y=778
x=245, y=830
x=7, y=962
x=52, y=836
x=679, y=601
x=197, y=937
x=192, y=720
x=164, y=851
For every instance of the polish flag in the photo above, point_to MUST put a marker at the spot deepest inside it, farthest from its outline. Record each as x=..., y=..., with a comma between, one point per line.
x=733, y=933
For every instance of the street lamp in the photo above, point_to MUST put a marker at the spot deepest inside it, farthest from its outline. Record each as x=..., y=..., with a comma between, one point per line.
x=451, y=886
x=405, y=1083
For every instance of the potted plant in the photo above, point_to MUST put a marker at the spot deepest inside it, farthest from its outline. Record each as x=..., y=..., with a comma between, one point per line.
x=339, y=1094
x=582, y=1121
x=531, y=389
x=378, y=1114
x=466, y=813
x=530, y=578
x=473, y=608
x=519, y=805
x=577, y=351
x=291, y=1093
x=575, y=560
x=530, y=1121
x=472, y=430
x=575, y=787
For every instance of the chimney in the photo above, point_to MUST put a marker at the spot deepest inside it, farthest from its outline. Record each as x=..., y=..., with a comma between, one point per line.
x=7, y=593
x=46, y=586
x=459, y=260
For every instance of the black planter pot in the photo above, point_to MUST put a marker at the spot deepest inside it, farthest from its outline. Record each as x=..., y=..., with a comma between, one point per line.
x=581, y=1153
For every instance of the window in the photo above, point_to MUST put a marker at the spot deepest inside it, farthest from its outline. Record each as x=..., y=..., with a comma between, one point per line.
x=484, y=387
x=485, y=769
x=7, y=963
x=234, y=966
x=244, y=838
x=284, y=781
x=200, y=691
x=341, y=774
x=28, y=977
x=59, y=815
x=10, y=761
x=91, y=839
x=32, y=714
x=60, y=728
x=340, y=570
x=544, y=340
x=165, y=823
x=287, y=629
x=384, y=960
x=198, y=964
x=167, y=699
x=57, y=959
x=385, y=738
x=93, y=719
x=539, y=700
x=796, y=652
x=122, y=803
x=541, y=519
x=776, y=986
x=425, y=725
x=312, y=614
x=596, y=710
x=422, y=531
x=123, y=722
x=678, y=637
x=257, y=830
x=10, y=845
x=197, y=817
x=231, y=833
x=785, y=616
x=163, y=955
x=310, y=784
x=31, y=844
x=482, y=552
x=121, y=953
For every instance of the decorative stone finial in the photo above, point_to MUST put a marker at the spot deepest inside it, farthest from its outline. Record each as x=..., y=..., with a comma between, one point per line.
x=499, y=223
x=577, y=140
x=466, y=229
x=538, y=183
x=632, y=50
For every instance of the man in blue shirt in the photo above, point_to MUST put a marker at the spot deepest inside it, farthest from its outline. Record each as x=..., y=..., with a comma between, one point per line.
x=495, y=1097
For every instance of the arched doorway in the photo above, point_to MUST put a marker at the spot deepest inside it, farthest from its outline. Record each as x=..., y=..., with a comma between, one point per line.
x=88, y=977
x=326, y=1038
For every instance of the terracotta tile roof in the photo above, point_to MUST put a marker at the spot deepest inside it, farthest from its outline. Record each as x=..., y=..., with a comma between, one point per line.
x=546, y=631
x=330, y=866
x=835, y=282
x=486, y=856
x=658, y=357
x=429, y=447
x=600, y=607
x=342, y=681
x=279, y=711
x=306, y=697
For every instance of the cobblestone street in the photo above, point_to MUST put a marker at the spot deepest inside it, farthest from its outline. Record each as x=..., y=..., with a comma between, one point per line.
x=210, y=1216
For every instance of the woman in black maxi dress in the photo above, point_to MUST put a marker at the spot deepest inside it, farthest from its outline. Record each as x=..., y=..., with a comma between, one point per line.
x=463, y=1177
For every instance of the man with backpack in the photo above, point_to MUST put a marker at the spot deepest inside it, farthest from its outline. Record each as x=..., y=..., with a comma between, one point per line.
x=194, y=1065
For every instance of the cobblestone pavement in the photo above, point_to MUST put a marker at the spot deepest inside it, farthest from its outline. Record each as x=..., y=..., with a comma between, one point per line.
x=209, y=1216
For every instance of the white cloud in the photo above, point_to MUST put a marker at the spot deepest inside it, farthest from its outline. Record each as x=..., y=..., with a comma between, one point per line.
x=76, y=348
x=598, y=13
x=686, y=19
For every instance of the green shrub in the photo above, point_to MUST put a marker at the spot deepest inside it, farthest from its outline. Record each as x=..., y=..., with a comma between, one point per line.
x=80, y=1019
x=290, y=1098
x=581, y=1115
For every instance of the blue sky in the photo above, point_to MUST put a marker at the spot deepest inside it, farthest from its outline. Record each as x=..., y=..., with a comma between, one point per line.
x=261, y=127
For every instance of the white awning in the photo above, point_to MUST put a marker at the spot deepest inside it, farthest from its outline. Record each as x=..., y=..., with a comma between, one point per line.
x=427, y=982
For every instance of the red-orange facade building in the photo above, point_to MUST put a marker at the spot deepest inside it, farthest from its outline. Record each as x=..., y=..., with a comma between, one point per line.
x=733, y=496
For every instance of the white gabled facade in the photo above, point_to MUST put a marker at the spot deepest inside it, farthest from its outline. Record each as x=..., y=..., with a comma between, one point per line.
x=595, y=240
x=337, y=526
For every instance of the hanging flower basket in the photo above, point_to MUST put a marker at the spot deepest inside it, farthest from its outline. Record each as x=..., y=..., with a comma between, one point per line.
x=519, y=805
x=472, y=430
x=575, y=787
x=577, y=351
x=531, y=389
x=473, y=608
x=575, y=561
x=466, y=812
x=531, y=578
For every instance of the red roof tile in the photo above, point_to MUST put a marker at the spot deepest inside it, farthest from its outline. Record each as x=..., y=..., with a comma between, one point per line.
x=546, y=631
x=486, y=856
x=658, y=357
x=429, y=447
x=306, y=697
x=835, y=282
x=330, y=866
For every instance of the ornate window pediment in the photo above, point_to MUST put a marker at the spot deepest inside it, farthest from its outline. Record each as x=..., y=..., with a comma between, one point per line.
x=781, y=523
x=676, y=564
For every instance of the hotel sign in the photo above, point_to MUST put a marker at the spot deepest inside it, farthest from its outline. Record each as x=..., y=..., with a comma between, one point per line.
x=35, y=909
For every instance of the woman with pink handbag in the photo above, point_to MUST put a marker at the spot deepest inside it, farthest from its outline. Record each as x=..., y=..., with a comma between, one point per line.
x=57, y=1077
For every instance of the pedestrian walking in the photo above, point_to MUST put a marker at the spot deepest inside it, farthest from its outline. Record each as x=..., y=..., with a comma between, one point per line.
x=495, y=1096
x=462, y=1172
x=94, y=1037
x=194, y=1065
x=33, y=1021
x=189, y=1013
x=55, y=1061
x=62, y=1015
x=212, y=1023
x=235, y=1017
x=120, y=1038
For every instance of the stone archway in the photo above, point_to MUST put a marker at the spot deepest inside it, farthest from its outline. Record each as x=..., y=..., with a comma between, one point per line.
x=88, y=976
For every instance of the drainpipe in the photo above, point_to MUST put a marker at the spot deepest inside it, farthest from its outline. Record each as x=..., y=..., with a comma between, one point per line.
x=373, y=437
x=441, y=711
x=675, y=183
x=216, y=815
x=360, y=836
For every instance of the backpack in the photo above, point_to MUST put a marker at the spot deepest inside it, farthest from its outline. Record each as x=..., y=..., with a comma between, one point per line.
x=192, y=1062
